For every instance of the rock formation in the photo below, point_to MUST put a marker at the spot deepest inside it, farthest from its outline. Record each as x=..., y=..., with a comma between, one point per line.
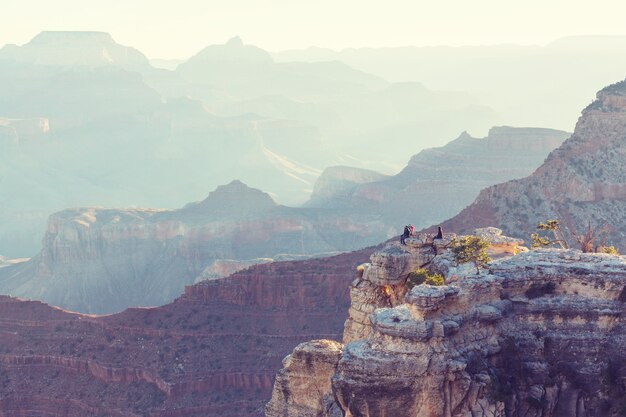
x=535, y=334
x=68, y=49
x=104, y=260
x=451, y=175
x=582, y=181
x=213, y=352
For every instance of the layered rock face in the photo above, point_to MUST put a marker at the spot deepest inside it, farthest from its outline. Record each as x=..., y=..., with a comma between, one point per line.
x=582, y=181
x=451, y=175
x=535, y=334
x=213, y=352
x=105, y=260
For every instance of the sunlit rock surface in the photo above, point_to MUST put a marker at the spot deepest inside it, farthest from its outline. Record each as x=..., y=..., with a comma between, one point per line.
x=534, y=334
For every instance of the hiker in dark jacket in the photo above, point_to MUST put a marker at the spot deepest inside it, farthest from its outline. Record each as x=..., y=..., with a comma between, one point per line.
x=405, y=234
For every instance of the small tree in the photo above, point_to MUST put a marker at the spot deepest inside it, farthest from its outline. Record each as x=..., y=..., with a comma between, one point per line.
x=553, y=226
x=586, y=241
x=471, y=249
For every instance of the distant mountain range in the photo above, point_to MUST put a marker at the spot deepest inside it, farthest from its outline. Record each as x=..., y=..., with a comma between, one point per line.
x=86, y=121
x=528, y=85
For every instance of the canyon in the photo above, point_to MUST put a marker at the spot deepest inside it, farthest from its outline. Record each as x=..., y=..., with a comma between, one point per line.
x=451, y=175
x=118, y=132
x=214, y=351
x=535, y=333
x=97, y=260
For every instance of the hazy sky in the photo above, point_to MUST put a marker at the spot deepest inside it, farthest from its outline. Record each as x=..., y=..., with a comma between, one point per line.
x=179, y=28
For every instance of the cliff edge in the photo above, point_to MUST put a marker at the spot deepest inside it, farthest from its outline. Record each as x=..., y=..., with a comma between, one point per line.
x=536, y=333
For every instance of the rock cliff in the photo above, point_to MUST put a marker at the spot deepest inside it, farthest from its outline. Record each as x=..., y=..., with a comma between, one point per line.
x=538, y=333
x=213, y=352
x=584, y=180
x=104, y=260
x=451, y=175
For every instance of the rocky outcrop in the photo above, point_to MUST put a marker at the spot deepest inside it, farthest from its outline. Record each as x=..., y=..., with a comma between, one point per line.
x=535, y=334
x=305, y=378
x=451, y=175
x=582, y=181
x=104, y=260
x=213, y=352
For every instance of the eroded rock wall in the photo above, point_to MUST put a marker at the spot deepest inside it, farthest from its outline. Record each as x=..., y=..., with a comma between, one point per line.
x=97, y=260
x=213, y=352
x=536, y=334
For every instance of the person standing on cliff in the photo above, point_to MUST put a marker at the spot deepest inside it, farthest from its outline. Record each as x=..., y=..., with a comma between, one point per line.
x=406, y=233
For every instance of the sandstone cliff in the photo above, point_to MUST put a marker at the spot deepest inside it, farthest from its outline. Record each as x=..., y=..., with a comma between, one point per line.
x=451, y=175
x=211, y=353
x=536, y=334
x=584, y=180
x=104, y=260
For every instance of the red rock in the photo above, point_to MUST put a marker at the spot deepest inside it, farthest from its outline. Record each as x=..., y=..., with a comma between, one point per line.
x=212, y=352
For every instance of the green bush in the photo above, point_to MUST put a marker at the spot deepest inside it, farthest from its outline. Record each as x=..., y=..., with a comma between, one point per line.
x=611, y=250
x=423, y=276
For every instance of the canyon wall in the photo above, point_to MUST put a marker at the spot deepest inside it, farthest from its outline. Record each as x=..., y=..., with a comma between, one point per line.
x=538, y=333
x=452, y=175
x=212, y=352
x=104, y=260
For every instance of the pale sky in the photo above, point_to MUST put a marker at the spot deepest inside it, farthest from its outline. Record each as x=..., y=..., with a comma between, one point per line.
x=180, y=28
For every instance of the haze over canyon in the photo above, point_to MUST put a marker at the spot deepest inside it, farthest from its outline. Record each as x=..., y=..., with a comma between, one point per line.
x=219, y=235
